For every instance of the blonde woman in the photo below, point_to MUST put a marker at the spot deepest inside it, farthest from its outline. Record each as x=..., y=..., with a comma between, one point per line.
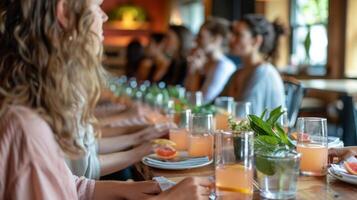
x=49, y=63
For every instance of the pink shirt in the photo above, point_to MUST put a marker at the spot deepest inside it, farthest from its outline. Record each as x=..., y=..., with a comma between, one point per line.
x=32, y=165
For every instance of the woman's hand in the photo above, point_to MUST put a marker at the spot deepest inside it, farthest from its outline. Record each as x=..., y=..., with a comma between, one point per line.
x=196, y=60
x=193, y=188
x=153, y=132
x=338, y=154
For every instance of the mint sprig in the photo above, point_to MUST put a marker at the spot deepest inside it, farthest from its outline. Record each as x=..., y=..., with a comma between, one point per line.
x=270, y=139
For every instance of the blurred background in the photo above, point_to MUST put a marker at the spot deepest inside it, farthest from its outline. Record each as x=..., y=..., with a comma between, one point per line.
x=321, y=44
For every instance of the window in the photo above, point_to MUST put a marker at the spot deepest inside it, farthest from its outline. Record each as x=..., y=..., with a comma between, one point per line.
x=189, y=13
x=309, y=19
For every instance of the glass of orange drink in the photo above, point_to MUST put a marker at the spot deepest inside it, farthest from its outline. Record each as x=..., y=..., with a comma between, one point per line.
x=312, y=144
x=225, y=109
x=233, y=165
x=201, y=135
x=179, y=133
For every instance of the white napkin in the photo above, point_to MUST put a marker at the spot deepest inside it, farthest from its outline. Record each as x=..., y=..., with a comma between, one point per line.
x=164, y=183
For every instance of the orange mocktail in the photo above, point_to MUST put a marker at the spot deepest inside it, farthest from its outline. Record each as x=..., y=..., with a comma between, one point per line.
x=222, y=121
x=200, y=145
x=180, y=137
x=234, y=181
x=313, y=159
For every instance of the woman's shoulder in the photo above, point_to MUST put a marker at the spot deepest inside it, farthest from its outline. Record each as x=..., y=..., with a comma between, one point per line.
x=24, y=115
x=267, y=68
x=22, y=120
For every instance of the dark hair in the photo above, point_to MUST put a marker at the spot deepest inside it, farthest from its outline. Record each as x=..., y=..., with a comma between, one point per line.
x=271, y=32
x=157, y=37
x=185, y=39
x=134, y=55
x=217, y=26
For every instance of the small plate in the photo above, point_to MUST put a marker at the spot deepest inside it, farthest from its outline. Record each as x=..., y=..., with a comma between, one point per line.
x=180, y=163
x=343, y=177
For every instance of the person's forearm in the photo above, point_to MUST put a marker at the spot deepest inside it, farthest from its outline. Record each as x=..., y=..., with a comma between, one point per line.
x=118, y=143
x=114, y=162
x=125, y=190
x=108, y=190
x=192, y=82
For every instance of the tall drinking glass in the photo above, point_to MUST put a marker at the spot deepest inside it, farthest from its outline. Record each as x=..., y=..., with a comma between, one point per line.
x=284, y=121
x=225, y=109
x=233, y=165
x=277, y=174
x=194, y=98
x=201, y=135
x=312, y=143
x=242, y=110
x=179, y=134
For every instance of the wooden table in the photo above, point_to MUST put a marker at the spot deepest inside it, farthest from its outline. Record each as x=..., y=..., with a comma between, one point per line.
x=309, y=188
x=346, y=86
x=347, y=89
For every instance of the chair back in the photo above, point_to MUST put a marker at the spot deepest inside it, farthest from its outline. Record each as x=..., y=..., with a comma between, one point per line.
x=348, y=118
x=294, y=94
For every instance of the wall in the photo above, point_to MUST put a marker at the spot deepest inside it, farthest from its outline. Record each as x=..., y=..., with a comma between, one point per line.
x=351, y=39
x=158, y=11
x=277, y=9
x=158, y=14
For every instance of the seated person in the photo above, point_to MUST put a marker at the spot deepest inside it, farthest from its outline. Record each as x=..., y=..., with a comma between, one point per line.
x=155, y=57
x=178, y=43
x=47, y=57
x=135, y=59
x=254, y=40
x=209, y=69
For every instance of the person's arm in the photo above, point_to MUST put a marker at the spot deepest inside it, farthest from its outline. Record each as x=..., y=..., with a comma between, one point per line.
x=193, y=188
x=144, y=69
x=114, y=190
x=113, y=162
x=118, y=143
x=339, y=154
x=162, y=66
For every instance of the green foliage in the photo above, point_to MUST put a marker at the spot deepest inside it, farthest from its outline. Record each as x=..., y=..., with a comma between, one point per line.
x=270, y=139
x=207, y=108
x=238, y=126
x=314, y=11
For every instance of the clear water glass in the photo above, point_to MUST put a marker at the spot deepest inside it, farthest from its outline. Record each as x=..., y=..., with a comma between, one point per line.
x=194, y=98
x=277, y=175
x=241, y=110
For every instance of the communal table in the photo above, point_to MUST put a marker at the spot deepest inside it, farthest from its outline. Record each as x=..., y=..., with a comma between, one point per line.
x=347, y=89
x=308, y=188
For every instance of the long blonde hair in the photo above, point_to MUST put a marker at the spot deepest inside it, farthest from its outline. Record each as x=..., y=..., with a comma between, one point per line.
x=52, y=70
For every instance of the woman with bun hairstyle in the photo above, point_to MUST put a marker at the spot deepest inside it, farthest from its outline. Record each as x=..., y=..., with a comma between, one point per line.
x=255, y=41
